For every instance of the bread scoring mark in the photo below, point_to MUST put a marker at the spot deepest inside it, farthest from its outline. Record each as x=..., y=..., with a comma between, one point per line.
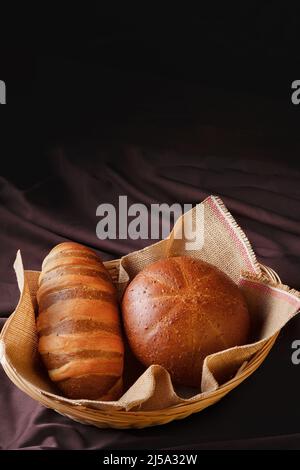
x=74, y=281
x=216, y=330
x=78, y=292
x=64, y=246
x=155, y=280
x=67, y=270
x=55, y=360
x=162, y=324
x=96, y=341
x=101, y=311
x=80, y=263
x=179, y=265
x=72, y=326
x=185, y=295
x=71, y=252
x=51, y=288
x=66, y=262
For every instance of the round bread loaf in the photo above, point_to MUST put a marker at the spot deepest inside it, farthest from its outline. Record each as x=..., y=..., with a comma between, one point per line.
x=179, y=310
x=78, y=324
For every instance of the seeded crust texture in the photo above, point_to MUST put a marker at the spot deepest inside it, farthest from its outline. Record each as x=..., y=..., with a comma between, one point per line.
x=179, y=310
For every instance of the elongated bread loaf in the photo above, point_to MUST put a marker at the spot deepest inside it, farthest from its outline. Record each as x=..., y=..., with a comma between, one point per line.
x=78, y=324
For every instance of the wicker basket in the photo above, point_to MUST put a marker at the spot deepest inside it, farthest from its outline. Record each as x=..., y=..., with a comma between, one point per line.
x=139, y=419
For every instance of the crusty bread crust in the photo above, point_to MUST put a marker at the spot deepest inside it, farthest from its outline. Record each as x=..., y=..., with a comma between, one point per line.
x=80, y=339
x=179, y=310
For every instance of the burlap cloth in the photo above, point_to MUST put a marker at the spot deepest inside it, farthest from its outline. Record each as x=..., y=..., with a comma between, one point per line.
x=225, y=246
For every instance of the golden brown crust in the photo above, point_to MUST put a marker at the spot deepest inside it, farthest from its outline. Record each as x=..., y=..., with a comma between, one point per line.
x=71, y=326
x=71, y=254
x=53, y=361
x=99, y=340
x=62, y=271
x=179, y=310
x=61, y=247
x=96, y=387
x=78, y=324
x=78, y=260
x=74, y=292
x=85, y=308
x=80, y=367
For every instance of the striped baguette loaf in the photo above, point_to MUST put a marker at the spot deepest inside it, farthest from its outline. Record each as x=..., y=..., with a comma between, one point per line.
x=78, y=324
